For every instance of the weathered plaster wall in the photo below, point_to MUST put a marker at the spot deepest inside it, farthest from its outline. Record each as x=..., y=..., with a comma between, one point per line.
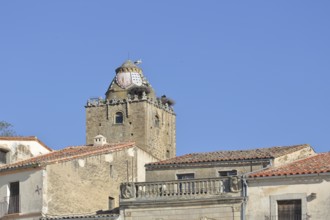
x=21, y=150
x=201, y=171
x=261, y=192
x=298, y=155
x=84, y=185
x=142, y=158
x=30, y=187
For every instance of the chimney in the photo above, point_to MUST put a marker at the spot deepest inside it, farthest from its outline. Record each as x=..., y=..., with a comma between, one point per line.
x=99, y=140
x=111, y=203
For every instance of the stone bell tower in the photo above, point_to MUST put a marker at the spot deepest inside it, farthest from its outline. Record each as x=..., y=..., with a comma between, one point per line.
x=132, y=112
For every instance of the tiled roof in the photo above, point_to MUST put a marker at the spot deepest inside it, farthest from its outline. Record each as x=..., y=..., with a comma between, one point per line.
x=27, y=138
x=66, y=154
x=260, y=153
x=312, y=165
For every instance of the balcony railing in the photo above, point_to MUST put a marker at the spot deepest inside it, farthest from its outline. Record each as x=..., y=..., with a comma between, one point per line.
x=9, y=205
x=187, y=188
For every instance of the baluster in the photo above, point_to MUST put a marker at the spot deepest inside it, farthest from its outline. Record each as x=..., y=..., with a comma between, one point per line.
x=157, y=190
x=217, y=186
x=152, y=187
x=154, y=193
x=175, y=188
x=149, y=190
x=195, y=187
x=143, y=191
x=189, y=187
x=207, y=190
x=138, y=192
x=211, y=186
x=201, y=184
x=144, y=188
x=221, y=186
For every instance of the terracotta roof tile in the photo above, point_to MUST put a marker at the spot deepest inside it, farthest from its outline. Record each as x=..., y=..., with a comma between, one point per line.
x=312, y=165
x=66, y=154
x=25, y=138
x=260, y=153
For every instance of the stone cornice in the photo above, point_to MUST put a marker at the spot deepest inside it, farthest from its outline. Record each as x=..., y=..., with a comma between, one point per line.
x=124, y=204
x=113, y=102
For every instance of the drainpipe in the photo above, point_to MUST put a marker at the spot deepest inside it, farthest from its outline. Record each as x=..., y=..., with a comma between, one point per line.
x=245, y=188
x=245, y=194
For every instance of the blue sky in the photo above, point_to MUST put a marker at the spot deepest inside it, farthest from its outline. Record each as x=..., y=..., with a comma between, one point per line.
x=244, y=74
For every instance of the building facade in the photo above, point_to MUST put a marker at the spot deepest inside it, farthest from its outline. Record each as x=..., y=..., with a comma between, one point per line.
x=202, y=185
x=71, y=181
x=298, y=191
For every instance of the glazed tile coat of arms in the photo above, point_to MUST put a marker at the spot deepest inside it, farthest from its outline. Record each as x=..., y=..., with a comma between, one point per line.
x=126, y=79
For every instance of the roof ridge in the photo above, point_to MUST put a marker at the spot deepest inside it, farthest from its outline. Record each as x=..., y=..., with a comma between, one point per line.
x=251, y=149
x=230, y=155
x=67, y=154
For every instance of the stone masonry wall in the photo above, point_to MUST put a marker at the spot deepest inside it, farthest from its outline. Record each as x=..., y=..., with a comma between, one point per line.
x=139, y=125
x=84, y=185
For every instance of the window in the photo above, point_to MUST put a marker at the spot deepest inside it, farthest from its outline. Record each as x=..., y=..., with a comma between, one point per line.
x=185, y=176
x=186, y=187
x=168, y=155
x=228, y=173
x=289, y=206
x=157, y=121
x=119, y=119
x=289, y=209
x=3, y=156
x=13, y=198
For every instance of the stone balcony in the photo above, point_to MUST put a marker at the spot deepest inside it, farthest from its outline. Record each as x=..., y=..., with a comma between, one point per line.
x=189, y=189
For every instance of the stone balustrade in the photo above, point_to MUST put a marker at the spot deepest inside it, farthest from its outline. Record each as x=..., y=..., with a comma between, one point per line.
x=221, y=186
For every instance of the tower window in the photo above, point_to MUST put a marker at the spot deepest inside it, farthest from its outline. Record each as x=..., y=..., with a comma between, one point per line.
x=168, y=153
x=119, y=119
x=157, y=121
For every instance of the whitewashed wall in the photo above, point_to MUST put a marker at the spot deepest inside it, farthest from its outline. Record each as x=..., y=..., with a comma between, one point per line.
x=263, y=193
x=30, y=187
x=21, y=149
